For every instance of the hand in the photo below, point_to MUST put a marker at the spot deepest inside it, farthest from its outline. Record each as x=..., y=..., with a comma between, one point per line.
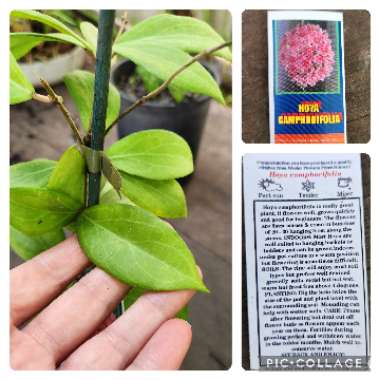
x=50, y=330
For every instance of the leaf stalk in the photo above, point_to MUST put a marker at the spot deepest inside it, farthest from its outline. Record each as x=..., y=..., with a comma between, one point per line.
x=57, y=99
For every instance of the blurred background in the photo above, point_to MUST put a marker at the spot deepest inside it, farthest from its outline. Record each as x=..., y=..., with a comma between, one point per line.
x=39, y=131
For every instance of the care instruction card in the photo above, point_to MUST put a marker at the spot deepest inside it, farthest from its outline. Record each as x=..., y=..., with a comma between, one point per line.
x=306, y=77
x=306, y=261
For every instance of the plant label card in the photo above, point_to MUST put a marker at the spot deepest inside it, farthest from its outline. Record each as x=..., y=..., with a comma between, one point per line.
x=306, y=77
x=306, y=261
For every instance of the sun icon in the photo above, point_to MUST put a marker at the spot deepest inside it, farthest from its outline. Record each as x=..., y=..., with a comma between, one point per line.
x=268, y=184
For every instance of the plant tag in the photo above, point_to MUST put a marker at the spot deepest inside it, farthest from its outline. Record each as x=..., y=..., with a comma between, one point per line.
x=306, y=77
x=306, y=261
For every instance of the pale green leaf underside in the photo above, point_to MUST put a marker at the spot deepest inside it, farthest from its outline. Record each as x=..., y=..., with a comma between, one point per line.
x=163, y=61
x=33, y=173
x=47, y=20
x=154, y=154
x=164, y=198
x=109, y=195
x=137, y=248
x=185, y=33
x=177, y=93
x=27, y=246
x=22, y=43
x=69, y=175
x=90, y=33
x=80, y=84
x=151, y=82
x=21, y=89
x=35, y=211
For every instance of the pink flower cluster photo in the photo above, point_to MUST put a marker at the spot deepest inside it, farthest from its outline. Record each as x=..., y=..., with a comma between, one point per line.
x=307, y=55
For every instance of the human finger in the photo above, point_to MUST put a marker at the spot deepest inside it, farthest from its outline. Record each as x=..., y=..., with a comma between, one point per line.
x=166, y=349
x=124, y=338
x=75, y=315
x=35, y=283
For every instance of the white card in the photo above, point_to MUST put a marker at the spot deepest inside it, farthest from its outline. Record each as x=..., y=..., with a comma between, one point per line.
x=305, y=254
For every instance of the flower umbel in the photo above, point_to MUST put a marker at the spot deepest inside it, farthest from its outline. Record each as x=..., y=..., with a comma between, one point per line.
x=307, y=54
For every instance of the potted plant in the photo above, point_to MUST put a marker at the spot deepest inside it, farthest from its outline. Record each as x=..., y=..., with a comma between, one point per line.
x=113, y=199
x=50, y=58
x=181, y=108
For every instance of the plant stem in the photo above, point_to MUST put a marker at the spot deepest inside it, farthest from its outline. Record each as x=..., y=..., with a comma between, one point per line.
x=58, y=100
x=166, y=83
x=102, y=76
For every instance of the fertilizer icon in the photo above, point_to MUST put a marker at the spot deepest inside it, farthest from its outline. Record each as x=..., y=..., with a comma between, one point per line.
x=269, y=185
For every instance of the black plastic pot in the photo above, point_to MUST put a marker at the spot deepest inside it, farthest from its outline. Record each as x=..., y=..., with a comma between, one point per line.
x=186, y=118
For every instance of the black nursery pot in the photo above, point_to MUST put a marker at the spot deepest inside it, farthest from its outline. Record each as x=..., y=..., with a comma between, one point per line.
x=186, y=118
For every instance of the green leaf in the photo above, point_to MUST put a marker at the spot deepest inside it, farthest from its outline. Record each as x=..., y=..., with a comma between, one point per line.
x=33, y=173
x=47, y=20
x=66, y=16
x=27, y=246
x=177, y=93
x=109, y=195
x=164, y=198
x=151, y=82
x=183, y=313
x=21, y=89
x=36, y=211
x=161, y=45
x=90, y=33
x=81, y=89
x=22, y=43
x=163, y=61
x=180, y=32
x=155, y=154
x=137, y=248
x=69, y=175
